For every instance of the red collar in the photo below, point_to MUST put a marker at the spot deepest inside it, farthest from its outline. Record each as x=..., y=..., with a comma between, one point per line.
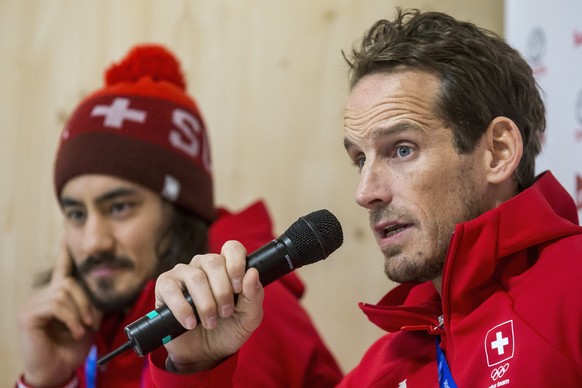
x=542, y=213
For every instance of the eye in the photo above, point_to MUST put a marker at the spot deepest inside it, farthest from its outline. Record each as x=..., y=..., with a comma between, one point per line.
x=75, y=215
x=403, y=151
x=120, y=208
x=359, y=161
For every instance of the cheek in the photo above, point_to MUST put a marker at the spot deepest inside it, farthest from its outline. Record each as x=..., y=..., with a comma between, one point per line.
x=139, y=243
x=139, y=246
x=72, y=239
x=457, y=198
x=436, y=194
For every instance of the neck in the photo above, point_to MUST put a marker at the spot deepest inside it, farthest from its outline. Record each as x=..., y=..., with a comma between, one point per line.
x=438, y=284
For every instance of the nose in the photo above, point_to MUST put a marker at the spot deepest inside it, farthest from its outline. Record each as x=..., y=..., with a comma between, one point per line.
x=373, y=187
x=97, y=235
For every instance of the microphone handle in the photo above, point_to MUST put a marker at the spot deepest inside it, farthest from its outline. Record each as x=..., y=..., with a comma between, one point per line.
x=159, y=326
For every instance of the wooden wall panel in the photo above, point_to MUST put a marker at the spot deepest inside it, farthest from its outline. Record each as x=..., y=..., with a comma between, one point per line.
x=271, y=83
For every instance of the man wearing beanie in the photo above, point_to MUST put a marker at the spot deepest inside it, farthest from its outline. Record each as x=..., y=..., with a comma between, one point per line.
x=133, y=179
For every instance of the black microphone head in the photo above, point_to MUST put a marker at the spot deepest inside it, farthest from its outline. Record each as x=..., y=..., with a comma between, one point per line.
x=316, y=235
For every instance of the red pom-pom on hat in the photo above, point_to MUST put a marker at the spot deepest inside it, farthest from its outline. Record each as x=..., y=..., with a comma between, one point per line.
x=148, y=60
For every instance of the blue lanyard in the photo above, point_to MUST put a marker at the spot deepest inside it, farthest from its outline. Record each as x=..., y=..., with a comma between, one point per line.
x=445, y=376
x=91, y=368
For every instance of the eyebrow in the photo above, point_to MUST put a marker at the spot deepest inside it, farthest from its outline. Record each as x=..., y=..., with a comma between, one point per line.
x=380, y=132
x=108, y=196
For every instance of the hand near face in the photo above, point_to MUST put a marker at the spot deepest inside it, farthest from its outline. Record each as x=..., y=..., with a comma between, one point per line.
x=211, y=280
x=56, y=327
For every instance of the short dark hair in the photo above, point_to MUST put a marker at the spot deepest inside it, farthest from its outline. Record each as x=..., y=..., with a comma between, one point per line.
x=482, y=76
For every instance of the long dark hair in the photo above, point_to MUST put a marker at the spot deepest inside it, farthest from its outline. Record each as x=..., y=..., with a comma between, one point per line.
x=188, y=236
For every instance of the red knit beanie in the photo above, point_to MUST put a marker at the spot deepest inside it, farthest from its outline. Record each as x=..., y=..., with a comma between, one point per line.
x=143, y=127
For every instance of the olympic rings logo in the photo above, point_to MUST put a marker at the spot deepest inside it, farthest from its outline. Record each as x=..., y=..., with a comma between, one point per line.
x=498, y=372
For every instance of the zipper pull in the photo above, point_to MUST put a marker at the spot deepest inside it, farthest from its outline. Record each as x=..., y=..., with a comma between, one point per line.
x=431, y=329
x=440, y=329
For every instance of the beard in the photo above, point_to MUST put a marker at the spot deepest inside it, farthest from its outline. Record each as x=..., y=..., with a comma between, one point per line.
x=423, y=260
x=103, y=293
x=413, y=269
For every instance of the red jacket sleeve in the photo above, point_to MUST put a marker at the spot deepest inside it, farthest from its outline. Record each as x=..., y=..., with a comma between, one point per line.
x=158, y=377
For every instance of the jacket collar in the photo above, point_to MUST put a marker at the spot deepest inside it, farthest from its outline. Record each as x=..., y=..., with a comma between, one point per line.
x=539, y=214
x=482, y=247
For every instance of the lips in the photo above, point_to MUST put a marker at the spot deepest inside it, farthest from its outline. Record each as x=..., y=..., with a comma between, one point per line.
x=390, y=229
x=393, y=230
x=105, y=263
x=105, y=270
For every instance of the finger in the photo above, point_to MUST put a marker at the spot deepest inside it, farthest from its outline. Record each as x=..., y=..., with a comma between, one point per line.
x=215, y=268
x=209, y=286
x=87, y=312
x=169, y=291
x=250, y=302
x=79, y=305
x=62, y=272
x=56, y=303
x=66, y=311
x=236, y=260
x=64, y=264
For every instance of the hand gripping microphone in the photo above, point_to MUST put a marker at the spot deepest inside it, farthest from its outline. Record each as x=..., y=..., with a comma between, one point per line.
x=309, y=239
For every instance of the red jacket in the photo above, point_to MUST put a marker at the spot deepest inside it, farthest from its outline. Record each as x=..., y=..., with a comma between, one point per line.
x=286, y=350
x=511, y=304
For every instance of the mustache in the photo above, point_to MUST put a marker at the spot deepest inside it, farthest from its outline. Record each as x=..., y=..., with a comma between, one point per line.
x=378, y=214
x=94, y=261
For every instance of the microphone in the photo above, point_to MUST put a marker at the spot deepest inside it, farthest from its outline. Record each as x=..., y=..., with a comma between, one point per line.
x=309, y=239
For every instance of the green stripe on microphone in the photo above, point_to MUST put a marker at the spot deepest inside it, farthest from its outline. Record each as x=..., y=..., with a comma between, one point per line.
x=166, y=339
x=152, y=314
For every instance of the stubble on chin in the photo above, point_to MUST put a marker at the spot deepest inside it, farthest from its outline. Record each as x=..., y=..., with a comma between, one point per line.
x=401, y=268
x=106, y=298
x=427, y=262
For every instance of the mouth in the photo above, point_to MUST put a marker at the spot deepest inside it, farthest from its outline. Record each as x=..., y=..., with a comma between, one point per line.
x=391, y=230
x=105, y=270
x=104, y=265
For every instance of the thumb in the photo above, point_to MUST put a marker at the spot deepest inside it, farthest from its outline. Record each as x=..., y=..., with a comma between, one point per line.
x=250, y=301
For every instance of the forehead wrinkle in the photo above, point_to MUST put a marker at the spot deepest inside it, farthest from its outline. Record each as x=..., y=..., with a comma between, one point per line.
x=402, y=102
x=358, y=121
x=384, y=131
x=375, y=121
x=380, y=132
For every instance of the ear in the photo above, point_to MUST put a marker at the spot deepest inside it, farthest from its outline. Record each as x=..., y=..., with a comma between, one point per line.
x=504, y=147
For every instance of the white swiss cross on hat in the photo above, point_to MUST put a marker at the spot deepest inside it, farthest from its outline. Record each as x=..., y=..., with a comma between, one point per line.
x=119, y=111
x=499, y=343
